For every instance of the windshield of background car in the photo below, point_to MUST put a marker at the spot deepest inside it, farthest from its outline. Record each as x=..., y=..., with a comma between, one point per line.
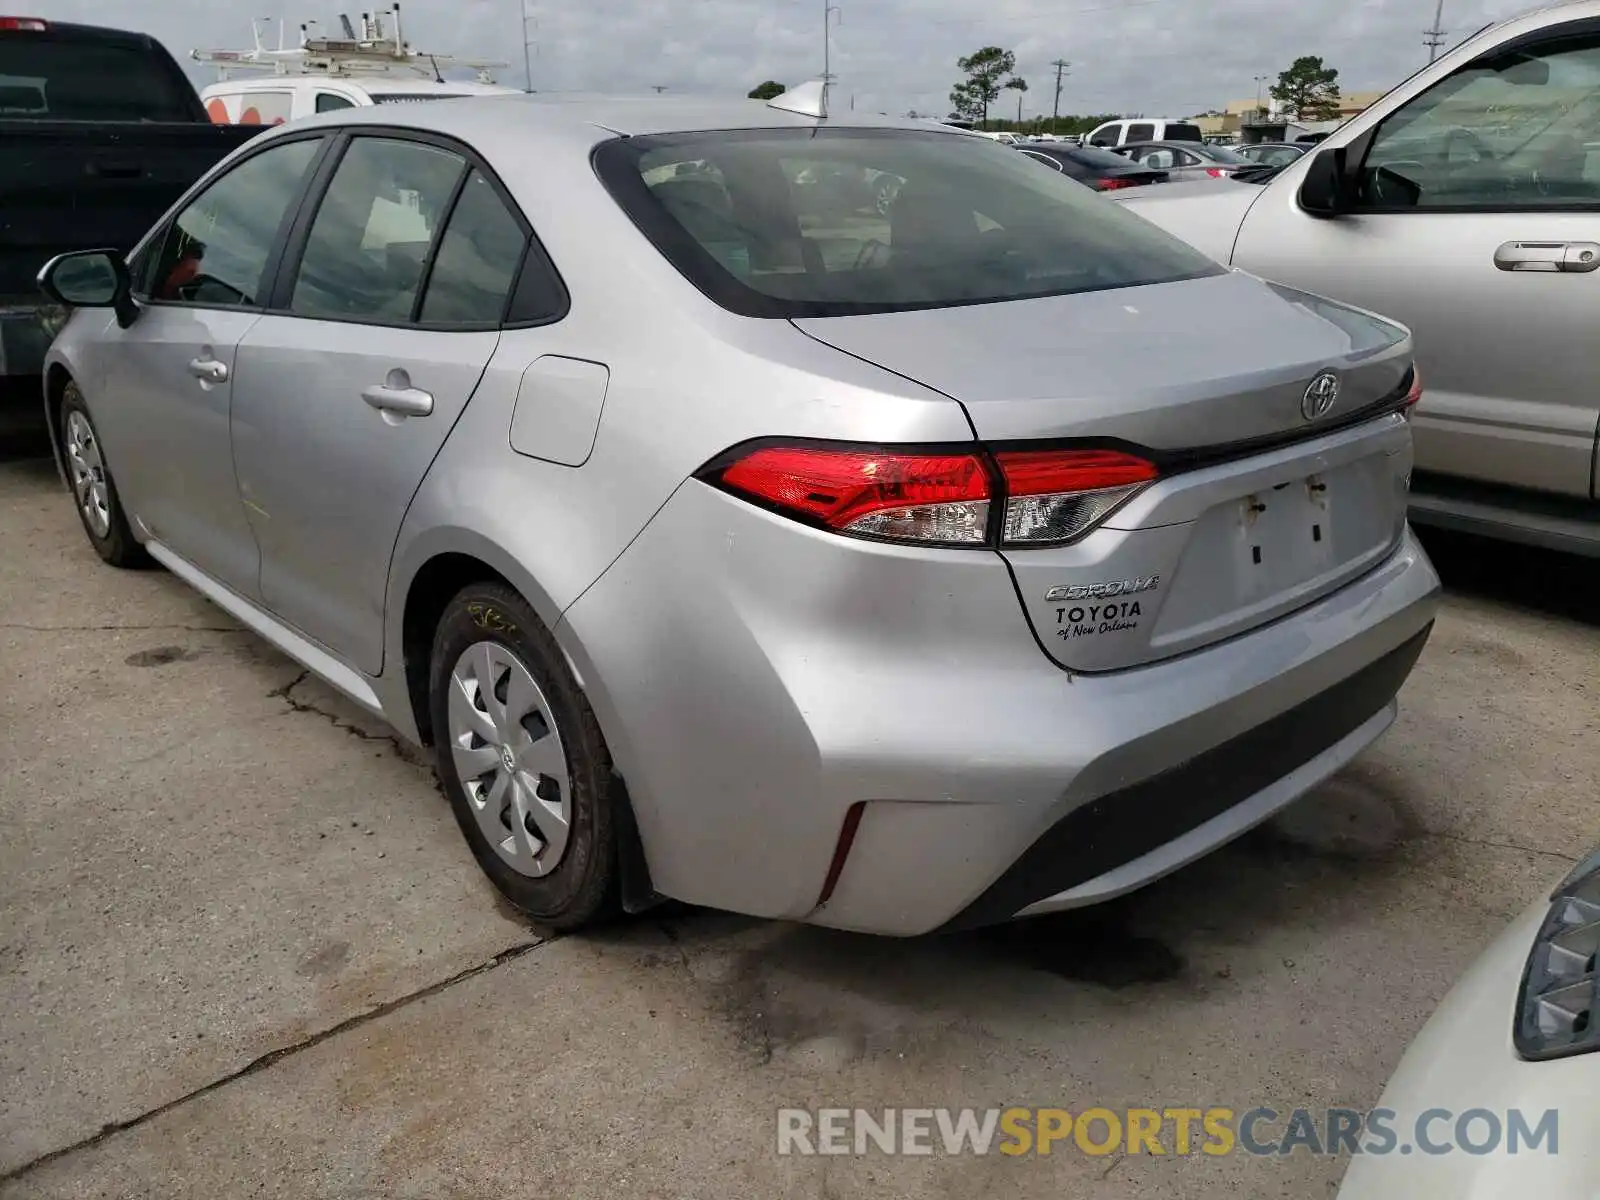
x=835, y=222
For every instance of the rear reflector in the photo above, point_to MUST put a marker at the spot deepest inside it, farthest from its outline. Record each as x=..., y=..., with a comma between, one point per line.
x=1414, y=395
x=900, y=496
x=24, y=24
x=1057, y=496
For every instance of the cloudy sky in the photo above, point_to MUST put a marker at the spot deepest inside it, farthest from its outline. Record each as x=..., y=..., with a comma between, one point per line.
x=1158, y=57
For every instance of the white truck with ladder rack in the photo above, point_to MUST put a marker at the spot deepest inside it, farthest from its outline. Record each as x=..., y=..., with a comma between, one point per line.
x=374, y=65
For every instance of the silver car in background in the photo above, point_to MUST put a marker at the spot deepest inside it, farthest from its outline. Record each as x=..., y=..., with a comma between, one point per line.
x=1464, y=204
x=732, y=540
x=1185, y=162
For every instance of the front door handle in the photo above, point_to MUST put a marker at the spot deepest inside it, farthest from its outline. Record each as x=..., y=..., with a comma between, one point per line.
x=208, y=370
x=402, y=401
x=1566, y=257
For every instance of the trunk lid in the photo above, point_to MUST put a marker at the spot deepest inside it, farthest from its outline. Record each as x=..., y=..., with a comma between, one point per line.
x=1259, y=509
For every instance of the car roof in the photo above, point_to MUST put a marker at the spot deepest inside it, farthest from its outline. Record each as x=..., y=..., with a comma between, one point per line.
x=510, y=121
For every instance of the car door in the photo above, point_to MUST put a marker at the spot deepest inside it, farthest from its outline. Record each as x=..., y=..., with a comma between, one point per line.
x=171, y=377
x=1477, y=223
x=389, y=309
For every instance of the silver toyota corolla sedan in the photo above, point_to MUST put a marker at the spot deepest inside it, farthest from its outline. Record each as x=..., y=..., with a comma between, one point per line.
x=732, y=540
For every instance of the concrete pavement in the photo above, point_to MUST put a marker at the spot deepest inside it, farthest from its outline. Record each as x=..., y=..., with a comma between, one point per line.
x=243, y=950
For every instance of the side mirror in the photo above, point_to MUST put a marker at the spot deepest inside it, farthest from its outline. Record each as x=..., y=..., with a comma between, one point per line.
x=1325, y=190
x=90, y=279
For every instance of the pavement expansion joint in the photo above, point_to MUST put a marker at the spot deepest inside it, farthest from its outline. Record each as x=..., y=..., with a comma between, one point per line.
x=271, y=1057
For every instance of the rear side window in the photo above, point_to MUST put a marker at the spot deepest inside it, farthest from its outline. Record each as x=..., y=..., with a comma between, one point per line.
x=1143, y=132
x=74, y=79
x=792, y=223
x=1179, y=132
x=477, y=260
x=368, y=245
x=216, y=250
x=332, y=102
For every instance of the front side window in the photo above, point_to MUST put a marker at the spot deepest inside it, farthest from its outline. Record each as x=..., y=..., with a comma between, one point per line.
x=1517, y=129
x=789, y=223
x=1107, y=135
x=368, y=245
x=215, y=251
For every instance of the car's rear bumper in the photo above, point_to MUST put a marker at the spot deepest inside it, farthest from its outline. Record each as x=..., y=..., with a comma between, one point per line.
x=757, y=680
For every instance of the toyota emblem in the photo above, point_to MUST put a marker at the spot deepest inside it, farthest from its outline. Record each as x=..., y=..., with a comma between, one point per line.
x=1321, y=395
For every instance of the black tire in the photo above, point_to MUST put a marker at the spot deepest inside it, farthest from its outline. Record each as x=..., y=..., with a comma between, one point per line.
x=583, y=887
x=116, y=544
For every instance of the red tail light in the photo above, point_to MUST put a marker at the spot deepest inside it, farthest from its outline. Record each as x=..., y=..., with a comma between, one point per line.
x=899, y=495
x=1111, y=184
x=1217, y=172
x=941, y=498
x=1059, y=495
x=24, y=25
x=1414, y=395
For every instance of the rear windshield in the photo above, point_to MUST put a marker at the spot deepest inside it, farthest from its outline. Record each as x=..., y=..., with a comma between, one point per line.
x=64, y=78
x=1179, y=132
x=1093, y=156
x=833, y=222
x=1224, y=154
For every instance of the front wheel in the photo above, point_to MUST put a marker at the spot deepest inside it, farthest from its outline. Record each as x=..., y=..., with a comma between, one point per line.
x=522, y=760
x=94, y=492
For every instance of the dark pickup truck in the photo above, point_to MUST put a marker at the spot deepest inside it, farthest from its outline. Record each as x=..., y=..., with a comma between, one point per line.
x=100, y=131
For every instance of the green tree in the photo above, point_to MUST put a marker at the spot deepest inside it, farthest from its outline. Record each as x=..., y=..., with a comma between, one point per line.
x=770, y=90
x=1308, y=90
x=1018, y=85
x=985, y=69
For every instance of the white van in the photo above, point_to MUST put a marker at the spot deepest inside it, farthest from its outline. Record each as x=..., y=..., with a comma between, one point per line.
x=274, y=99
x=1144, y=129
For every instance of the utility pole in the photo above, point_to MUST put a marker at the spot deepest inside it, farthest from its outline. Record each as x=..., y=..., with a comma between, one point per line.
x=829, y=11
x=527, y=61
x=1434, y=38
x=1061, y=66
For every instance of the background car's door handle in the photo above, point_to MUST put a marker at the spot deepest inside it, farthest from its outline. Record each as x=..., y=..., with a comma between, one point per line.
x=403, y=401
x=1567, y=257
x=208, y=370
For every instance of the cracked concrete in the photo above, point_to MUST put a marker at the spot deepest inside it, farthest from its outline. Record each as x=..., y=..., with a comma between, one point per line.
x=244, y=949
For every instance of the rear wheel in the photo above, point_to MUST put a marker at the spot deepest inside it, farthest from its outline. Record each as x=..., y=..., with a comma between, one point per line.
x=522, y=759
x=94, y=492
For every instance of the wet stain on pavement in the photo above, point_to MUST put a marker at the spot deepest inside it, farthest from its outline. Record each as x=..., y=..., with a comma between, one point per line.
x=160, y=656
x=328, y=960
x=1086, y=948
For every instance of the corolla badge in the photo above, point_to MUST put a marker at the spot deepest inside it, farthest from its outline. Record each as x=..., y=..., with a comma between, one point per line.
x=1103, y=591
x=1321, y=395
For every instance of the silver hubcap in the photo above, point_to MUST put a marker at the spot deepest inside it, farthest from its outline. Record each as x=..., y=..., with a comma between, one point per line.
x=88, y=474
x=509, y=758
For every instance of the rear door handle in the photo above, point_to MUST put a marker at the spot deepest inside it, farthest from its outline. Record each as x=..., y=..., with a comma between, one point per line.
x=208, y=370
x=402, y=401
x=1566, y=257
